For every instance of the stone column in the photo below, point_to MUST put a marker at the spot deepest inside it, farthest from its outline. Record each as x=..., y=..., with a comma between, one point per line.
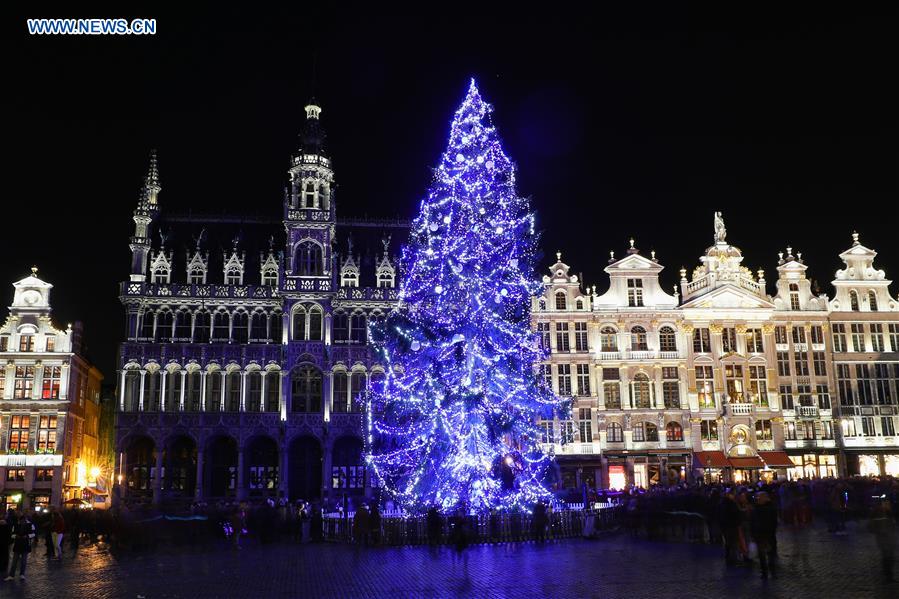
x=326, y=470
x=163, y=390
x=157, y=480
x=198, y=485
x=183, y=384
x=283, y=482
x=122, y=392
x=202, y=374
x=241, y=484
x=327, y=394
x=143, y=375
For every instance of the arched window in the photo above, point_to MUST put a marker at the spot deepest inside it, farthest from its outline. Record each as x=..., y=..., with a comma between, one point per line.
x=258, y=333
x=608, y=339
x=872, y=300
x=614, y=433
x=385, y=278
x=315, y=323
x=151, y=391
x=340, y=326
x=357, y=391
x=794, y=296
x=132, y=390
x=674, y=432
x=306, y=390
x=341, y=391
x=667, y=339
x=638, y=339
x=273, y=391
x=164, y=326
x=276, y=326
x=640, y=392
x=853, y=300
x=270, y=277
x=299, y=324
x=202, y=326
x=232, y=391
x=358, y=328
x=240, y=327
x=652, y=431
x=173, y=391
x=561, y=301
x=146, y=331
x=192, y=391
x=182, y=326
x=309, y=195
x=308, y=259
x=214, y=391
x=220, y=324
x=254, y=391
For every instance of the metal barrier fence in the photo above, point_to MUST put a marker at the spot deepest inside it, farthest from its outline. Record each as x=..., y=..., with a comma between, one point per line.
x=482, y=528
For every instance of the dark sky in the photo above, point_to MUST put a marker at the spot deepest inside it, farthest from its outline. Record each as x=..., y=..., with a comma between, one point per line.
x=620, y=126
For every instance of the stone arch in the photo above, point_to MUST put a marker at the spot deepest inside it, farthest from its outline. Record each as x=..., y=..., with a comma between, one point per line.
x=140, y=464
x=180, y=465
x=261, y=466
x=304, y=463
x=347, y=465
x=220, y=466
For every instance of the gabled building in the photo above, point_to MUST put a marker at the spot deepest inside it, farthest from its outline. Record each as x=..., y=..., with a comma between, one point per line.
x=49, y=404
x=244, y=366
x=864, y=322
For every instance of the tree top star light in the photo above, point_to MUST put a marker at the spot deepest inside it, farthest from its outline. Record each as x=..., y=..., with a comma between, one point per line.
x=455, y=424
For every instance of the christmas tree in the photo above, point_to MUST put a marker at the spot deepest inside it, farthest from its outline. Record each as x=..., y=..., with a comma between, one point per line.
x=455, y=424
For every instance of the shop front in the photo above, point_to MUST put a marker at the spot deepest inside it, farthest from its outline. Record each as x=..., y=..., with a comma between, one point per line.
x=812, y=465
x=870, y=462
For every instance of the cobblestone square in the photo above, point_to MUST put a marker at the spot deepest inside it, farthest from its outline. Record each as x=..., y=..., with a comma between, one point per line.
x=813, y=563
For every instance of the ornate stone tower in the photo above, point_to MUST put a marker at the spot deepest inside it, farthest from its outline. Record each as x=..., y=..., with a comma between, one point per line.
x=147, y=208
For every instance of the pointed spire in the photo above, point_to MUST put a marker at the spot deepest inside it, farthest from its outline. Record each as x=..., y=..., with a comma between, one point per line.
x=153, y=172
x=312, y=139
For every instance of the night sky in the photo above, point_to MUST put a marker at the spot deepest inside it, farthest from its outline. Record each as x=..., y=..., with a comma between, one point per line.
x=620, y=127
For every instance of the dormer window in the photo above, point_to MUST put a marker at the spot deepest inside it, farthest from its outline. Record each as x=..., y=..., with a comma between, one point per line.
x=26, y=343
x=350, y=278
x=561, y=301
x=51, y=343
x=853, y=300
x=234, y=277
x=385, y=278
x=308, y=259
x=580, y=304
x=794, y=296
x=270, y=277
x=197, y=277
x=635, y=292
x=160, y=275
x=872, y=300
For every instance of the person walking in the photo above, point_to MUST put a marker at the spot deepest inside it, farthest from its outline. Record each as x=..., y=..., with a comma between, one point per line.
x=730, y=527
x=58, y=526
x=763, y=525
x=21, y=545
x=5, y=538
x=883, y=527
x=361, y=526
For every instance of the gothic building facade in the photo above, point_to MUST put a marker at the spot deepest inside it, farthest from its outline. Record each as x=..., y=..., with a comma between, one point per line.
x=719, y=380
x=49, y=405
x=244, y=368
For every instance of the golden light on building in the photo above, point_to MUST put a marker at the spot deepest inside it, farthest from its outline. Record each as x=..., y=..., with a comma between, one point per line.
x=80, y=474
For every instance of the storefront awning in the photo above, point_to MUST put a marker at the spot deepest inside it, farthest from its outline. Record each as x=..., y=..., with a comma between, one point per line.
x=710, y=459
x=747, y=462
x=776, y=459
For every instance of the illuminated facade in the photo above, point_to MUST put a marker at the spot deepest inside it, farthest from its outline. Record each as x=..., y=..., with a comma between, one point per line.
x=720, y=380
x=243, y=369
x=49, y=398
x=864, y=322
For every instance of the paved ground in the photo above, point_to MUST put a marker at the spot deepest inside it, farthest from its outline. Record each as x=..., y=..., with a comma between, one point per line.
x=813, y=564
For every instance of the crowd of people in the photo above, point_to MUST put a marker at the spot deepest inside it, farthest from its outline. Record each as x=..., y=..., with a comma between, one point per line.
x=744, y=518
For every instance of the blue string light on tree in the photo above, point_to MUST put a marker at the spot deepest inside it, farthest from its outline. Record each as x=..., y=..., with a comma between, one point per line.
x=455, y=423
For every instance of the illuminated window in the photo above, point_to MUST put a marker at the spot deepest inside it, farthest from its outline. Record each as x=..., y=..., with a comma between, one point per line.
x=580, y=336
x=43, y=475
x=608, y=339
x=763, y=430
x=758, y=385
x=309, y=261
x=26, y=343
x=46, y=434
x=51, y=343
x=635, y=292
x=24, y=383
x=638, y=339
x=674, y=432
x=705, y=386
x=640, y=391
x=614, y=433
x=729, y=340
x=709, y=430
x=50, y=386
x=733, y=374
x=585, y=425
x=19, y=428
x=667, y=339
x=701, y=341
x=794, y=297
